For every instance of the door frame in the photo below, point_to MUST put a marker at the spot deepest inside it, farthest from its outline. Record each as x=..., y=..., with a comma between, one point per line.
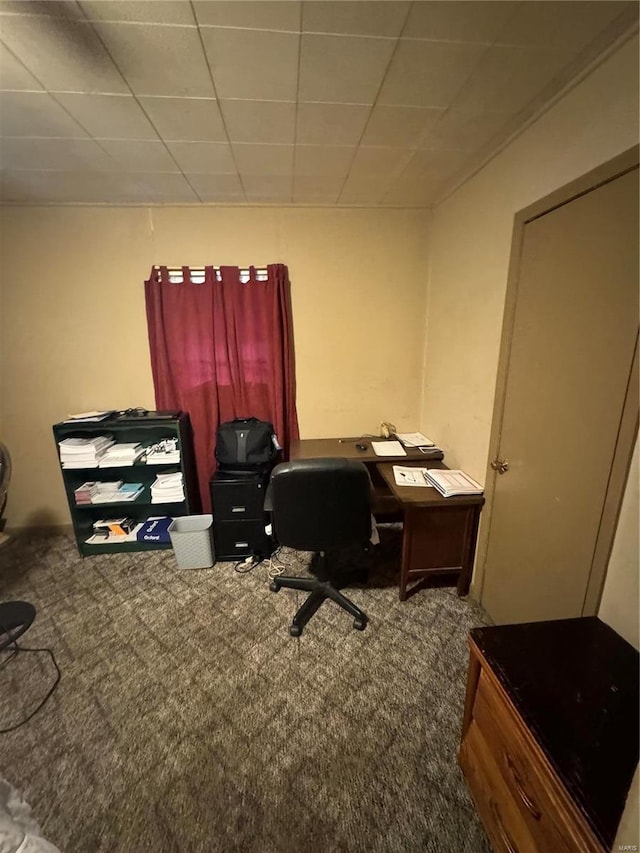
x=628, y=430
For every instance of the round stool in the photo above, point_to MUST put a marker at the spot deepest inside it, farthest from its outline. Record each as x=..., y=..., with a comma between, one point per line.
x=16, y=617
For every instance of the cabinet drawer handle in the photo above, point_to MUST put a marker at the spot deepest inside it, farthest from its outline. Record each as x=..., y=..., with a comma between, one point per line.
x=526, y=799
x=504, y=835
x=238, y=509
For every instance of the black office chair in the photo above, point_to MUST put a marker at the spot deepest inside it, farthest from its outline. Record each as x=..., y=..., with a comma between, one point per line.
x=320, y=505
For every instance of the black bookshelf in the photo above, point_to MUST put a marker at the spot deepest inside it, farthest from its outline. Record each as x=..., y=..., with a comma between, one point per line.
x=147, y=429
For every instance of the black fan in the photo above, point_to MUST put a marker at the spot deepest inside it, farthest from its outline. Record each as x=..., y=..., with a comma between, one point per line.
x=5, y=476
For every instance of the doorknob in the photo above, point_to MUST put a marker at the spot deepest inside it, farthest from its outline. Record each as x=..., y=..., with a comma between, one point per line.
x=500, y=465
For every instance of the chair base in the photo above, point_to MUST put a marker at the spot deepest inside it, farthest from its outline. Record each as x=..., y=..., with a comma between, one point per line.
x=320, y=591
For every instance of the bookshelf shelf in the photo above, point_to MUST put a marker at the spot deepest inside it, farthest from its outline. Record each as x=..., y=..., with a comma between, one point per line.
x=146, y=429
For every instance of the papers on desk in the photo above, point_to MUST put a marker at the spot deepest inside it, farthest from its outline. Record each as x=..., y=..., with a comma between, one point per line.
x=410, y=476
x=414, y=439
x=388, y=448
x=450, y=483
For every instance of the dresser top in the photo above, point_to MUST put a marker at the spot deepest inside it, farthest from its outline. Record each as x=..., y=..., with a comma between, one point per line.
x=574, y=682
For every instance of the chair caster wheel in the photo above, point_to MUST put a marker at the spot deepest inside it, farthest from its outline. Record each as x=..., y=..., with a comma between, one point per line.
x=274, y=586
x=295, y=630
x=359, y=624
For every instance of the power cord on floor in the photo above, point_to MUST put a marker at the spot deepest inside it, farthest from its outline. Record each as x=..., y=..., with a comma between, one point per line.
x=274, y=568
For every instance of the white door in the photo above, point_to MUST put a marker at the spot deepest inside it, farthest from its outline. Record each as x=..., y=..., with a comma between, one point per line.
x=574, y=334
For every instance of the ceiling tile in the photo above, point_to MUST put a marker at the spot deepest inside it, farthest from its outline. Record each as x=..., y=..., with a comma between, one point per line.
x=163, y=189
x=149, y=58
x=59, y=154
x=560, y=25
x=196, y=119
x=436, y=163
x=68, y=187
x=317, y=160
x=268, y=188
x=217, y=187
x=13, y=74
x=147, y=11
x=342, y=69
x=250, y=14
x=50, y=8
x=462, y=21
x=363, y=189
x=412, y=192
x=464, y=129
x=260, y=121
x=336, y=124
x=69, y=57
x=253, y=64
x=508, y=78
x=324, y=190
x=109, y=116
x=428, y=74
x=35, y=114
x=263, y=159
x=402, y=127
x=139, y=155
x=203, y=157
x=379, y=161
x=361, y=18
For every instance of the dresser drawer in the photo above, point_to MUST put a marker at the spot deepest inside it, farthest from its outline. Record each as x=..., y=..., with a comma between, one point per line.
x=541, y=800
x=500, y=815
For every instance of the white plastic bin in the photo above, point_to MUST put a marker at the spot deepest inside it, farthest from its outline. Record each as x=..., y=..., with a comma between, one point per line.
x=192, y=541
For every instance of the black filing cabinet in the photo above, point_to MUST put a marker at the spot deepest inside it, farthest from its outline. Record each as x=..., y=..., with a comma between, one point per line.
x=239, y=518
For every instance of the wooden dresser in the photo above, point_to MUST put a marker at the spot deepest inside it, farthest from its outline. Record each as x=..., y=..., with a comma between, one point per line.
x=550, y=734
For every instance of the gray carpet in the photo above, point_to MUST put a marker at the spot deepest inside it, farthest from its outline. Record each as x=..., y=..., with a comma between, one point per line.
x=187, y=719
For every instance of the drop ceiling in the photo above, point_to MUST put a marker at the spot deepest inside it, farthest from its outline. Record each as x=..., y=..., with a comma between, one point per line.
x=385, y=104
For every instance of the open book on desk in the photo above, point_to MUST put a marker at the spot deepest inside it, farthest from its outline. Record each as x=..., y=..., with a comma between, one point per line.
x=409, y=476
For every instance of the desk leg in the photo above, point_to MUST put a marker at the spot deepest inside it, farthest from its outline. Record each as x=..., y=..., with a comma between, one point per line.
x=406, y=551
x=464, y=578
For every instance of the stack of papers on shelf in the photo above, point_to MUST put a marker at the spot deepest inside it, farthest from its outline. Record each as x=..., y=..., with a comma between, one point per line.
x=414, y=439
x=167, y=488
x=88, y=417
x=406, y=476
x=450, y=483
x=83, y=452
x=120, y=455
x=114, y=531
x=388, y=448
x=103, y=493
x=128, y=492
x=165, y=452
x=85, y=493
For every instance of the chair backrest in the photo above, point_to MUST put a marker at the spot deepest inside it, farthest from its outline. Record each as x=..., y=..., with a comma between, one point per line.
x=321, y=504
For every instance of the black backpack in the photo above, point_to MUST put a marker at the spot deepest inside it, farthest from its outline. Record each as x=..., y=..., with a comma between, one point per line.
x=245, y=444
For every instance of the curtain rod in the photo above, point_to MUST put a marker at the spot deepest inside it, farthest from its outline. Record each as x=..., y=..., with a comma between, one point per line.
x=202, y=269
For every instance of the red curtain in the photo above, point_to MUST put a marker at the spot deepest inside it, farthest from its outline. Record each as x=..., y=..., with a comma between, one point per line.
x=223, y=349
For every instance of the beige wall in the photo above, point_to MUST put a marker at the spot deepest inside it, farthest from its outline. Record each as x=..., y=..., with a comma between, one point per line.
x=74, y=329
x=470, y=248
x=619, y=604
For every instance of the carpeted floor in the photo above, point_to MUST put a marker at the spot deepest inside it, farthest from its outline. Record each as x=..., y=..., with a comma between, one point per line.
x=187, y=719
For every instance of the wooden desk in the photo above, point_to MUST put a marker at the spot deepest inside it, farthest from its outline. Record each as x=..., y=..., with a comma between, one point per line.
x=439, y=534
x=550, y=734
